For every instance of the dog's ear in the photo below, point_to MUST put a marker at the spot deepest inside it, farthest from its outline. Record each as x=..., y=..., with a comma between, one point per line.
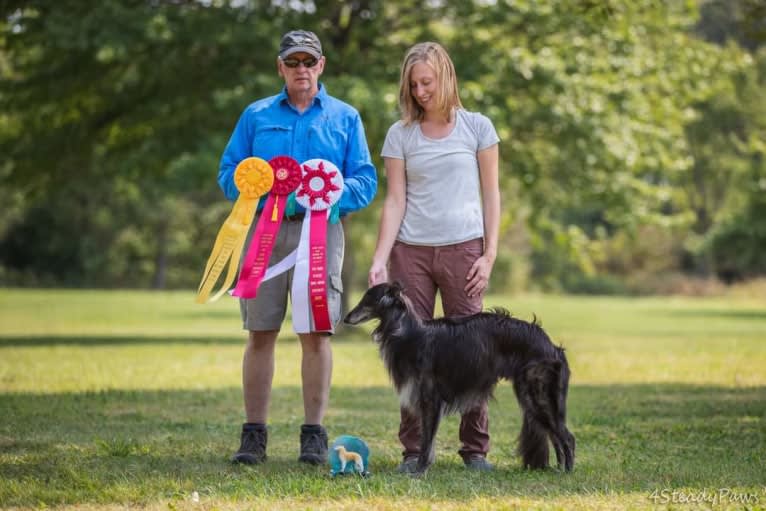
x=394, y=295
x=388, y=297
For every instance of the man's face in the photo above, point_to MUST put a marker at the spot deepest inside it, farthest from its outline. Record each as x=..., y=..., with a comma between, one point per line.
x=301, y=72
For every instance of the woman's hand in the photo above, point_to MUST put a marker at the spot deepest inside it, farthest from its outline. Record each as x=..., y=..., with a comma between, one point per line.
x=378, y=274
x=478, y=276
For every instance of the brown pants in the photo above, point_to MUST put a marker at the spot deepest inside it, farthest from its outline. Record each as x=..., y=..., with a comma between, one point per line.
x=422, y=271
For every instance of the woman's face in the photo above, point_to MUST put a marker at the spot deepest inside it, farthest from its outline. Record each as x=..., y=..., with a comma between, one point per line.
x=423, y=85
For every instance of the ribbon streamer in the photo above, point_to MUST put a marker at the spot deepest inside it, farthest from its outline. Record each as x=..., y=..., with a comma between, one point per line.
x=253, y=177
x=287, y=176
x=321, y=187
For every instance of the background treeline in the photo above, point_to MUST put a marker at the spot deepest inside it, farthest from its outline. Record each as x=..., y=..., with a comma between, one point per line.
x=633, y=131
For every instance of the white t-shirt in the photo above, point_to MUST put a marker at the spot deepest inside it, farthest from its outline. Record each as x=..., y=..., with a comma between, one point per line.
x=442, y=175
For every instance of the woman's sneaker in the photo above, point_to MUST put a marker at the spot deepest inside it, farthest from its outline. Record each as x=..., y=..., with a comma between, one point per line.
x=478, y=462
x=408, y=465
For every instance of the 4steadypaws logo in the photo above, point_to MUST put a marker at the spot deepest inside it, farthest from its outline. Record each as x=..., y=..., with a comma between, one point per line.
x=705, y=496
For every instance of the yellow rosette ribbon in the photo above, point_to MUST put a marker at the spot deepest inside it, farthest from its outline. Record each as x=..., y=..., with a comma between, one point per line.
x=253, y=178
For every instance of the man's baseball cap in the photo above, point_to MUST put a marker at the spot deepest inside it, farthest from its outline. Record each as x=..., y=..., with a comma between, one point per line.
x=300, y=41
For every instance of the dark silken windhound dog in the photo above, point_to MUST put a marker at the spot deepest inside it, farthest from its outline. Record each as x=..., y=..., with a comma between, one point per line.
x=450, y=364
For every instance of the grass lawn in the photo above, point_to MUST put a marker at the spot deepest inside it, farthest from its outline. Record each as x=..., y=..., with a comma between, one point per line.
x=125, y=399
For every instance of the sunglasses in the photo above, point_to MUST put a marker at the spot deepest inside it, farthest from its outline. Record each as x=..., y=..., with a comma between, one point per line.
x=307, y=62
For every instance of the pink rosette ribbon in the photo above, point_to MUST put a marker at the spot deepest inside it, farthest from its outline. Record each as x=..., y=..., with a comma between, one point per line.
x=321, y=186
x=287, y=177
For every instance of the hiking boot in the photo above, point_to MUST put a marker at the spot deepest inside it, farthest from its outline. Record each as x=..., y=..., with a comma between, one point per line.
x=313, y=444
x=408, y=465
x=478, y=462
x=252, y=449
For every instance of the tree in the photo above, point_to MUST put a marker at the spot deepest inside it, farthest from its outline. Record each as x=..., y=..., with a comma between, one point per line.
x=116, y=114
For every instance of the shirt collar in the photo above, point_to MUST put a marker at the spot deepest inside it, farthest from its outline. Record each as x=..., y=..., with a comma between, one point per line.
x=319, y=98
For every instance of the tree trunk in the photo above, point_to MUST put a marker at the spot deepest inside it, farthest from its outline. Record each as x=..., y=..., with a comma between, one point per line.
x=161, y=259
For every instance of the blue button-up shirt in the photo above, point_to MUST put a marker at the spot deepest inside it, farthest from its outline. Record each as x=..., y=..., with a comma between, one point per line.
x=329, y=129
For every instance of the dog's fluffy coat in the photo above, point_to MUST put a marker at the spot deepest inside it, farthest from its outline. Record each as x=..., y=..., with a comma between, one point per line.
x=451, y=364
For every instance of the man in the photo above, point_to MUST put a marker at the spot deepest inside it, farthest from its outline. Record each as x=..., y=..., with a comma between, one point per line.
x=302, y=122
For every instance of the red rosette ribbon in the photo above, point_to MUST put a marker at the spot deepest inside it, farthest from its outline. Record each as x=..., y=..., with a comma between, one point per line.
x=321, y=187
x=287, y=177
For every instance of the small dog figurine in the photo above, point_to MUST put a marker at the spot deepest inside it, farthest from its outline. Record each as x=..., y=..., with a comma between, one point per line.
x=348, y=456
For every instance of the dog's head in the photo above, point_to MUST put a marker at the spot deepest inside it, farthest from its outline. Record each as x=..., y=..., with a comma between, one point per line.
x=377, y=301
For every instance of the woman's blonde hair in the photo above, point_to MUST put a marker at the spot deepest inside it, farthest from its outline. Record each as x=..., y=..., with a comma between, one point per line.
x=447, y=98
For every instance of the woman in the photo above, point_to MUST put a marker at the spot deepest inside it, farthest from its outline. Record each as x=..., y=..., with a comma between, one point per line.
x=439, y=226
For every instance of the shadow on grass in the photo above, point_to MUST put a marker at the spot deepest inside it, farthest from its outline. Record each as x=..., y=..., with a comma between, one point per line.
x=738, y=314
x=112, y=340
x=206, y=313
x=139, y=446
x=343, y=334
x=119, y=340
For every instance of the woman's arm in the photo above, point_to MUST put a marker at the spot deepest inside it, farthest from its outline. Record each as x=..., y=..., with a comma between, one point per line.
x=390, y=220
x=478, y=275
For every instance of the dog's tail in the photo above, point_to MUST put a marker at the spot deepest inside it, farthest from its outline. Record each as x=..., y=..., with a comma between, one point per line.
x=542, y=393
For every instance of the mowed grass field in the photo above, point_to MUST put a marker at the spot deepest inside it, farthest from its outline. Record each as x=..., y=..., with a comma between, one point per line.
x=123, y=399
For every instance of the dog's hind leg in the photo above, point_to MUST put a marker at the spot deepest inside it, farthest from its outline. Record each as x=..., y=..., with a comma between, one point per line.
x=550, y=380
x=559, y=447
x=430, y=415
x=568, y=441
x=563, y=440
x=562, y=390
x=533, y=444
x=531, y=391
x=564, y=444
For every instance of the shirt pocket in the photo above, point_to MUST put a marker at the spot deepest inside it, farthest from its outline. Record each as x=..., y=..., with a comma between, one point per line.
x=272, y=140
x=328, y=142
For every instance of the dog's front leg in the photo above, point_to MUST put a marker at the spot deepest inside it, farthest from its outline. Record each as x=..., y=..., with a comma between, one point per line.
x=430, y=416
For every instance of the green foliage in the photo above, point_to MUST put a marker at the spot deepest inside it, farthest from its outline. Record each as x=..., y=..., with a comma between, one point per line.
x=742, y=21
x=612, y=115
x=728, y=181
x=736, y=245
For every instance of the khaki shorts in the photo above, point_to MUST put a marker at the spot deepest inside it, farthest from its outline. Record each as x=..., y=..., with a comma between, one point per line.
x=267, y=310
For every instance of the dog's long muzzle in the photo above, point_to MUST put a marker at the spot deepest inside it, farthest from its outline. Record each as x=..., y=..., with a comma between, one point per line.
x=356, y=316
